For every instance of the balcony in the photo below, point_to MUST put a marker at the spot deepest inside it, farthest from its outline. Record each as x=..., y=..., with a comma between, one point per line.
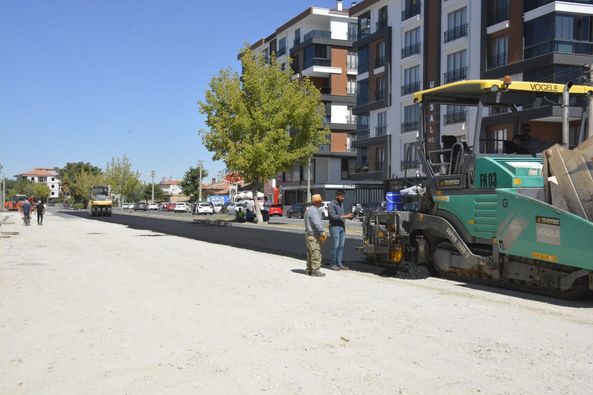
x=576, y=47
x=296, y=41
x=364, y=32
x=362, y=134
x=382, y=24
x=351, y=119
x=497, y=61
x=411, y=50
x=281, y=52
x=380, y=130
x=410, y=88
x=455, y=117
x=317, y=34
x=455, y=33
x=497, y=15
x=455, y=75
x=410, y=126
x=411, y=12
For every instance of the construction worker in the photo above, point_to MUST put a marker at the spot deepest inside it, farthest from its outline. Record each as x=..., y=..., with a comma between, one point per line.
x=314, y=236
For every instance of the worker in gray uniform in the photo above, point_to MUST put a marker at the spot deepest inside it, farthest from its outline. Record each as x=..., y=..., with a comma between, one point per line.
x=314, y=236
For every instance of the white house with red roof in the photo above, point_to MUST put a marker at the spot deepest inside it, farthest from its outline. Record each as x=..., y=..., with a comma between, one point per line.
x=170, y=186
x=43, y=175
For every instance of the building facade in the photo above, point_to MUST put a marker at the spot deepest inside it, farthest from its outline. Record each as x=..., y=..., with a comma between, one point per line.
x=171, y=187
x=43, y=175
x=319, y=41
x=408, y=45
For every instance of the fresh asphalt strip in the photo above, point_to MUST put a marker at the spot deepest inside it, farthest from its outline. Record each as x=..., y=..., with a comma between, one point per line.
x=288, y=244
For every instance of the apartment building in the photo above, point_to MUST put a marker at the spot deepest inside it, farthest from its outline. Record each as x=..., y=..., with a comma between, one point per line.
x=408, y=45
x=319, y=42
x=45, y=176
x=535, y=40
x=171, y=186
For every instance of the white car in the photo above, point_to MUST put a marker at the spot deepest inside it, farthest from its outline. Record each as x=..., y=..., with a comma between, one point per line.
x=204, y=208
x=233, y=207
x=125, y=206
x=180, y=208
x=323, y=208
x=153, y=206
x=217, y=208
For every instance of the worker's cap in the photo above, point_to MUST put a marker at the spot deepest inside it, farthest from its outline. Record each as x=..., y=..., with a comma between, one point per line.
x=316, y=198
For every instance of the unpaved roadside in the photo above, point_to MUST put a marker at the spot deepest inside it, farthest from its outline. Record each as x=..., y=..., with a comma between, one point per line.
x=91, y=307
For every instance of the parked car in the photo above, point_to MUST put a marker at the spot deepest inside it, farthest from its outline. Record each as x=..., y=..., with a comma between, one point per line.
x=233, y=207
x=170, y=206
x=153, y=206
x=276, y=210
x=132, y=206
x=297, y=211
x=323, y=208
x=125, y=206
x=204, y=208
x=218, y=208
x=180, y=207
x=140, y=206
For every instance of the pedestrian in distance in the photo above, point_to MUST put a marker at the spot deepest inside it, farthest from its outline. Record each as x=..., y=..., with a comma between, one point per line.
x=40, y=211
x=337, y=230
x=314, y=236
x=26, y=210
x=266, y=210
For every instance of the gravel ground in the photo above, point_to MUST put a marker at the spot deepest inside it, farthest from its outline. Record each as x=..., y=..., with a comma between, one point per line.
x=97, y=308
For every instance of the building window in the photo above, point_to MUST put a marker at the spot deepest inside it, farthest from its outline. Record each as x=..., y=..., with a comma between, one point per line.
x=411, y=43
x=352, y=61
x=558, y=32
x=382, y=22
x=411, y=118
x=364, y=25
x=410, y=156
x=352, y=31
x=380, y=94
x=379, y=158
x=411, y=80
x=282, y=47
x=362, y=92
x=295, y=65
x=351, y=87
x=498, y=51
x=498, y=11
x=455, y=114
x=456, y=24
x=362, y=126
x=297, y=36
x=380, y=61
x=53, y=193
x=456, y=66
x=53, y=179
x=381, y=128
x=53, y=186
x=363, y=60
x=316, y=55
x=410, y=8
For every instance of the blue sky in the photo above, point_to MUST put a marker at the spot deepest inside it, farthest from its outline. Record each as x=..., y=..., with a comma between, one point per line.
x=88, y=80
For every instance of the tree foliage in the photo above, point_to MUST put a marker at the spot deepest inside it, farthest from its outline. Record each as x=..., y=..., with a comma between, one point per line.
x=262, y=122
x=190, y=184
x=80, y=189
x=75, y=178
x=122, y=179
x=159, y=194
x=26, y=187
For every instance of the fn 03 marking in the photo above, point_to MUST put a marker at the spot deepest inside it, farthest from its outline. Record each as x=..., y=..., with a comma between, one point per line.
x=488, y=180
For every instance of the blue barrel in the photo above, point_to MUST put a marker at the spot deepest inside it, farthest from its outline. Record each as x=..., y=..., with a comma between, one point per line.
x=394, y=201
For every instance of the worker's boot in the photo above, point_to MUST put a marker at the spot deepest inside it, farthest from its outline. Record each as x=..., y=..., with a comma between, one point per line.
x=316, y=273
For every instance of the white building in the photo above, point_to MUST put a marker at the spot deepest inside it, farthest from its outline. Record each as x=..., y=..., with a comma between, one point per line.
x=171, y=187
x=43, y=175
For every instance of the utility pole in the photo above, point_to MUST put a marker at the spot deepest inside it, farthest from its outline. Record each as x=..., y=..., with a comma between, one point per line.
x=200, y=166
x=590, y=108
x=309, y=181
x=152, y=176
x=3, y=187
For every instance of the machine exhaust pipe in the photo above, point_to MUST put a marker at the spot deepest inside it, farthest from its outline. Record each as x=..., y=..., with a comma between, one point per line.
x=565, y=107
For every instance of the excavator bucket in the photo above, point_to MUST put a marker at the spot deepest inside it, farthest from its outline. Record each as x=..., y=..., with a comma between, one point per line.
x=568, y=177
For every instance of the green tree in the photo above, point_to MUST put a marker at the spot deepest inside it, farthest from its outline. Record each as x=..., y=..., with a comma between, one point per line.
x=190, y=184
x=67, y=176
x=123, y=180
x=41, y=191
x=159, y=194
x=80, y=188
x=262, y=122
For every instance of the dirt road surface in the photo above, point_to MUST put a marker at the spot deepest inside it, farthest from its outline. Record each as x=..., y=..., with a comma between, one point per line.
x=89, y=307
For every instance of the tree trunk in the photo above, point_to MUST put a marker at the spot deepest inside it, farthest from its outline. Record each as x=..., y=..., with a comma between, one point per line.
x=256, y=206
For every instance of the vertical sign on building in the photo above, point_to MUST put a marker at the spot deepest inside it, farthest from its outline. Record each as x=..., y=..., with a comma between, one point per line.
x=432, y=73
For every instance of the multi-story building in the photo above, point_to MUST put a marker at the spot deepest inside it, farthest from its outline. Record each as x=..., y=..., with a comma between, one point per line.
x=407, y=45
x=319, y=43
x=170, y=186
x=535, y=40
x=43, y=175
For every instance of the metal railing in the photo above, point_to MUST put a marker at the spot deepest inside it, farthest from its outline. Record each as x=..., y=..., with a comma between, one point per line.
x=580, y=47
x=380, y=25
x=380, y=130
x=412, y=49
x=455, y=117
x=281, y=52
x=317, y=62
x=410, y=125
x=362, y=134
x=407, y=165
x=317, y=34
x=455, y=75
x=456, y=32
x=411, y=11
x=498, y=60
x=410, y=88
x=448, y=160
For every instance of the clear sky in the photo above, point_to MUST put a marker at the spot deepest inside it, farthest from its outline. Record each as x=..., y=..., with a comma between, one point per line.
x=88, y=80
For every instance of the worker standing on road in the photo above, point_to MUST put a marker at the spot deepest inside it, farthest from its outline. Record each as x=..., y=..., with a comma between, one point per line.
x=266, y=210
x=314, y=237
x=337, y=230
x=26, y=209
x=40, y=211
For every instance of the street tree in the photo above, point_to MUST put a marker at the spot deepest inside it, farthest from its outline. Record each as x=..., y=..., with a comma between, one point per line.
x=159, y=194
x=262, y=122
x=67, y=176
x=123, y=180
x=41, y=191
x=80, y=188
x=190, y=184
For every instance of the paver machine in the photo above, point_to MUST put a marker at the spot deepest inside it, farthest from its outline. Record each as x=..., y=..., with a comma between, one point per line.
x=100, y=201
x=516, y=220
